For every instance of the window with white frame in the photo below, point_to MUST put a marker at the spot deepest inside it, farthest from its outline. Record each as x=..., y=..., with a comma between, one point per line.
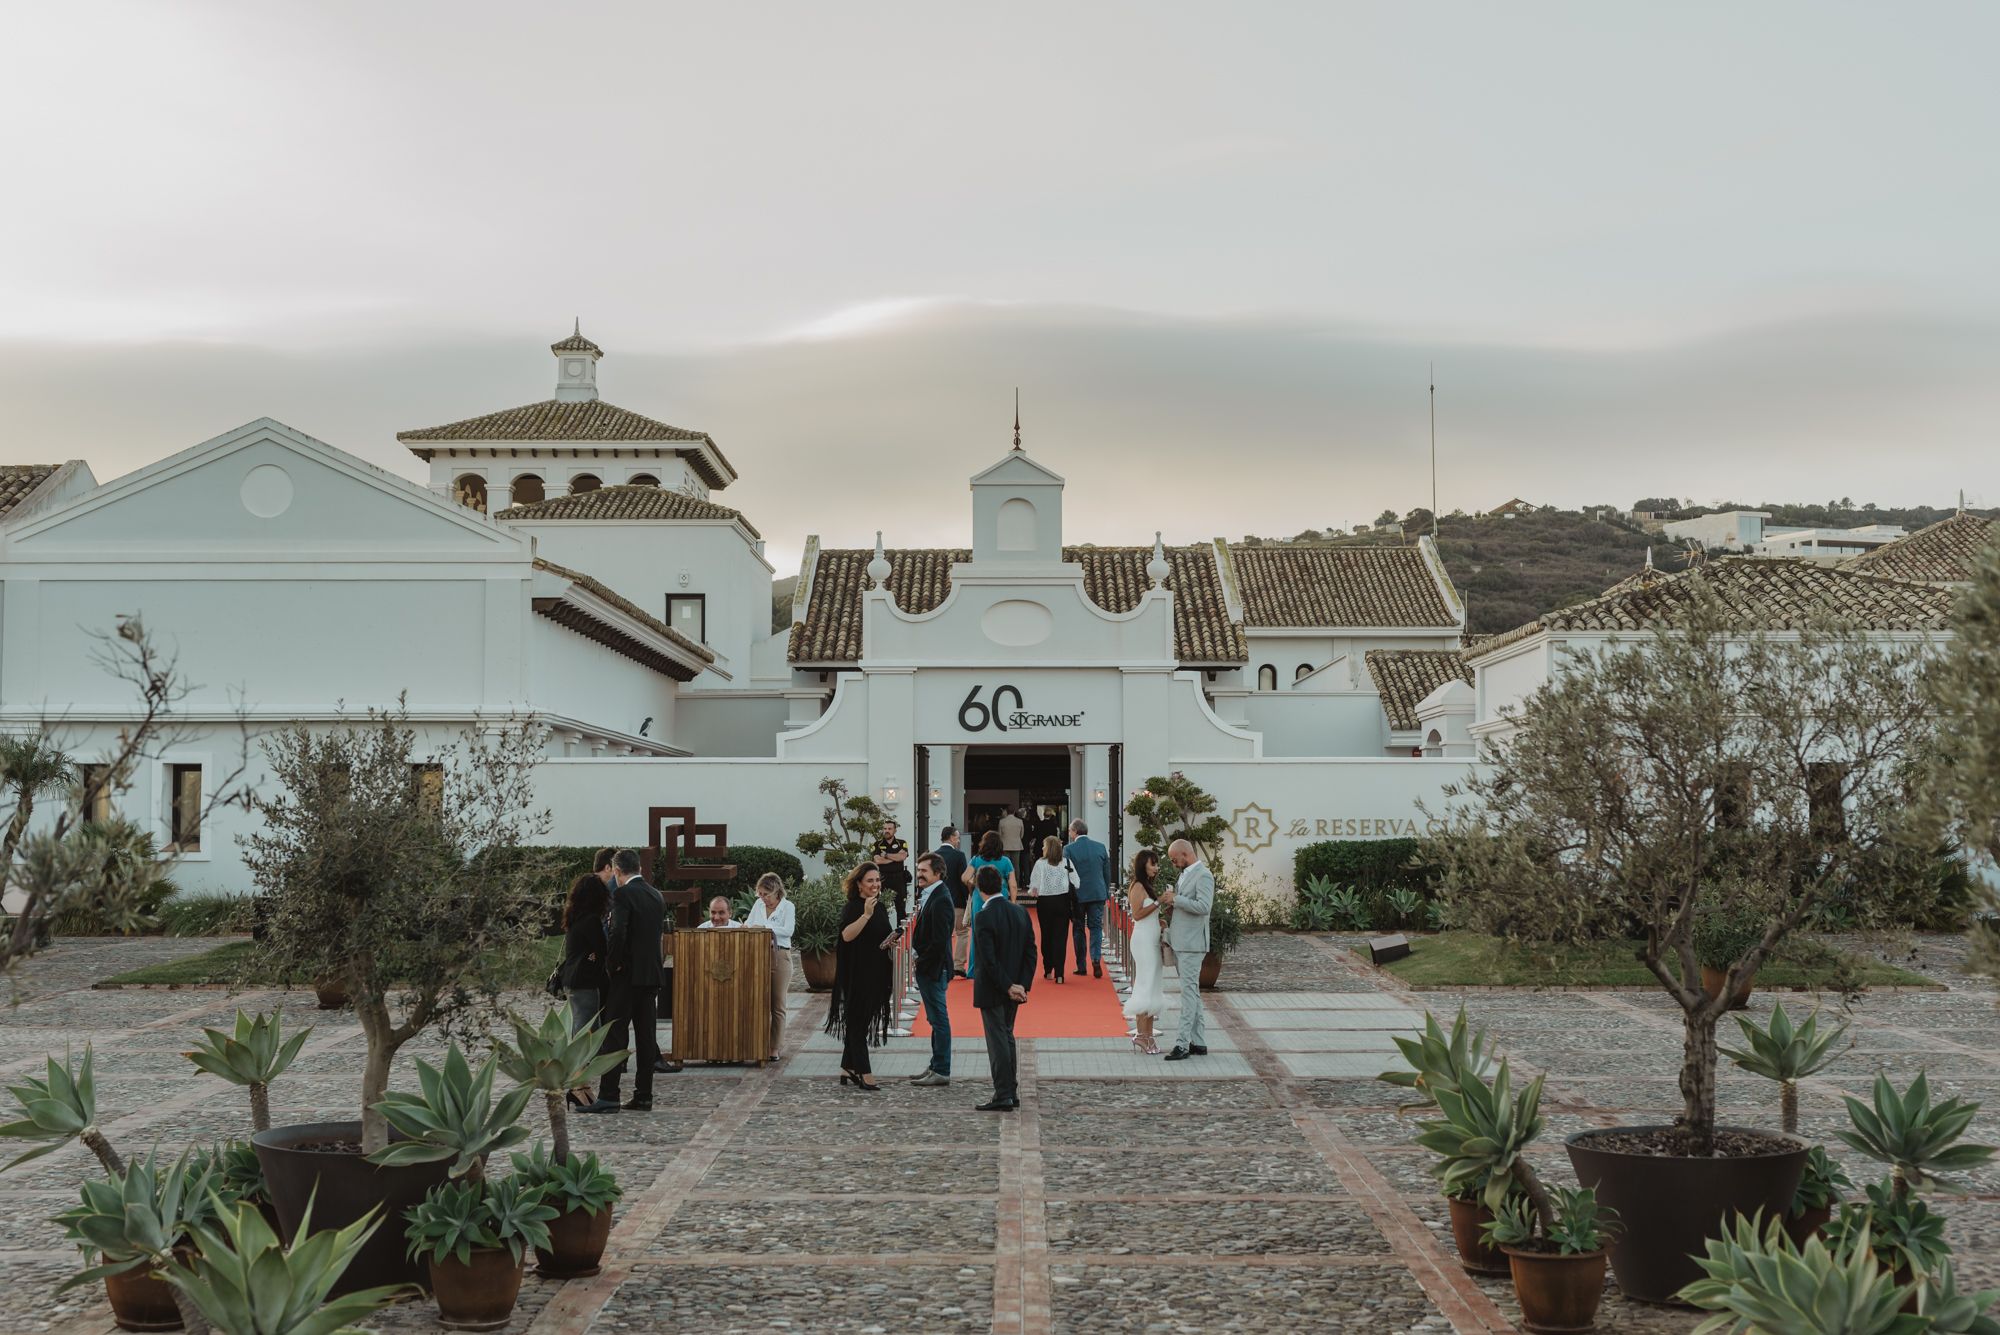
x=184, y=808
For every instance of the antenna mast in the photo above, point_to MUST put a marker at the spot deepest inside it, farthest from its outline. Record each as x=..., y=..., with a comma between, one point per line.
x=1434, y=451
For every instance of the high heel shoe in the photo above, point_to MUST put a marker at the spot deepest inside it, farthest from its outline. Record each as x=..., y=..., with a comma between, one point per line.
x=849, y=1078
x=859, y=1083
x=1138, y=1044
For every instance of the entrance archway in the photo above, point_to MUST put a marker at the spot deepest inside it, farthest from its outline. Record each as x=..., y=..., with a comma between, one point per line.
x=1035, y=779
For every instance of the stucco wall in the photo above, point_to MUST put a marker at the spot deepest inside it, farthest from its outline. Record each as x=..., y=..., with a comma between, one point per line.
x=1317, y=724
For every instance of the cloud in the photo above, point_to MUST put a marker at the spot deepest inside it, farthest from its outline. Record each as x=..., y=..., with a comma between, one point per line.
x=1197, y=427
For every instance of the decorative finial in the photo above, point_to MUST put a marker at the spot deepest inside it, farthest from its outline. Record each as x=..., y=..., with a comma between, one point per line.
x=1649, y=556
x=576, y=326
x=1157, y=569
x=878, y=567
x=1017, y=417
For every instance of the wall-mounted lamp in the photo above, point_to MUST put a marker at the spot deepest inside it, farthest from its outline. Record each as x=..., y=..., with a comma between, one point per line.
x=1097, y=795
x=937, y=796
x=890, y=792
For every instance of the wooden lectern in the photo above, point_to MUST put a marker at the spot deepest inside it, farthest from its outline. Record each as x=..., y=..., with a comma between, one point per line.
x=722, y=995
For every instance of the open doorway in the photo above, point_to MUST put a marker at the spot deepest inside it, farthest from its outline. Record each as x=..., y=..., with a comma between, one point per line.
x=1022, y=779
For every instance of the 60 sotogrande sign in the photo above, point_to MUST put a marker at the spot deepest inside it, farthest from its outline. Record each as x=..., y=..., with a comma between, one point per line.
x=1003, y=710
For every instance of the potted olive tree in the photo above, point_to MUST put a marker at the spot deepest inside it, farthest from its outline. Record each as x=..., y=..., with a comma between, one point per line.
x=383, y=881
x=1706, y=763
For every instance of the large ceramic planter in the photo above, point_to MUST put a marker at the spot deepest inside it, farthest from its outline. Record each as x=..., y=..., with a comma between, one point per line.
x=1211, y=969
x=141, y=1302
x=1467, y=1219
x=818, y=966
x=1711, y=983
x=348, y=1187
x=478, y=1294
x=1558, y=1294
x=576, y=1245
x=1669, y=1205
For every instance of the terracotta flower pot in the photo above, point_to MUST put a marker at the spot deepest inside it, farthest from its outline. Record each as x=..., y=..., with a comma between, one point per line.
x=818, y=967
x=332, y=994
x=297, y=1161
x=1801, y=1227
x=576, y=1245
x=1711, y=983
x=1211, y=969
x=478, y=1294
x=1558, y=1293
x=141, y=1302
x=1669, y=1205
x=1467, y=1218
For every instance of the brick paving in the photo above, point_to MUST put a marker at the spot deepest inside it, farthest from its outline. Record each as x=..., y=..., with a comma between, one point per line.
x=1268, y=1187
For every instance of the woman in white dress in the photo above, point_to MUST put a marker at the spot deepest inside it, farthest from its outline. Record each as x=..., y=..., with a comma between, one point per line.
x=1146, y=1001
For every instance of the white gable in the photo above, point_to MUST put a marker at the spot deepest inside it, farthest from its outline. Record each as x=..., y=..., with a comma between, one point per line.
x=262, y=490
x=1017, y=468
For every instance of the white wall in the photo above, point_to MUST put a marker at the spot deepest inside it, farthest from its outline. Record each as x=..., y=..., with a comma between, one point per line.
x=578, y=678
x=730, y=723
x=1326, y=723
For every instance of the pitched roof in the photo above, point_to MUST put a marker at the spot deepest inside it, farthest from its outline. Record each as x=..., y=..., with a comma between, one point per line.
x=1770, y=593
x=611, y=637
x=1940, y=553
x=576, y=342
x=1309, y=586
x=18, y=480
x=583, y=421
x=920, y=580
x=1403, y=677
x=626, y=502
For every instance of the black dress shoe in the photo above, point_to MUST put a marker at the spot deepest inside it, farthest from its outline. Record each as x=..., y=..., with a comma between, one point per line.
x=600, y=1106
x=1179, y=1055
x=1197, y=1049
x=639, y=1105
x=997, y=1105
x=665, y=1067
x=1096, y=969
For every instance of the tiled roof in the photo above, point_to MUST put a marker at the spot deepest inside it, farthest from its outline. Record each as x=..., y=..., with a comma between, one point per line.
x=626, y=502
x=17, y=480
x=566, y=614
x=1773, y=593
x=1338, y=586
x=576, y=342
x=920, y=580
x=1403, y=677
x=1940, y=553
x=581, y=422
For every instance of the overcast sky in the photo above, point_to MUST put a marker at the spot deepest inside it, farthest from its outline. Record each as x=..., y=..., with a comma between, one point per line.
x=1702, y=250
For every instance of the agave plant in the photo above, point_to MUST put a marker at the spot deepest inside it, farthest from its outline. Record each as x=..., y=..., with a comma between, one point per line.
x=554, y=1060
x=138, y=1219
x=455, y=1117
x=1439, y=1060
x=1754, y=1281
x=253, y=1055
x=1405, y=904
x=578, y=1184
x=1348, y=908
x=1918, y=1140
x=236, y=1174
x=1953, y=1313
x=1786, y=1054
x=1820, y=1184
x=1581, y=1224
x=458, y=1217
x=1479, y=1141
x=243, y=1279
x=1904, y=1233
x=61, y=1107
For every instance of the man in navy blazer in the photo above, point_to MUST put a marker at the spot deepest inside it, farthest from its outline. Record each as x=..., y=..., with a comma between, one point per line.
x=1091, y=862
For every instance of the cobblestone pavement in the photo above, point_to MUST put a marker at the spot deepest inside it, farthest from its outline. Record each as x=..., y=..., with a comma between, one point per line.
x=1268, y=1187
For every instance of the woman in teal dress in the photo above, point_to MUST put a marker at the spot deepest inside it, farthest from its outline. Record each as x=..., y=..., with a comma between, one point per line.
x=989, y=858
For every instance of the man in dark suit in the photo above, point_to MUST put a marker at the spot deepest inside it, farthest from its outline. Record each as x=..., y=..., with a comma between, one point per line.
x=961, y=897
x=1004, y=962
x=930, y=939
x=638, y=917
x=1091, y=863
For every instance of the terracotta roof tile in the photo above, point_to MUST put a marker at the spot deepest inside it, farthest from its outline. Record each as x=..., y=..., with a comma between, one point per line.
x=920, y=580
x=17, y=480
x=1338, y=586
x=1774, y=593
x=1403, y=677
x=626, y=502
x=1940, y=553
x=582, y=422
x=630, y=649
x=576, y=342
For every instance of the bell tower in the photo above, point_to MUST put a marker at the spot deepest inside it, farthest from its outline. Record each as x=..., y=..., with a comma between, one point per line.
x=1017, y=511
x=576, y=367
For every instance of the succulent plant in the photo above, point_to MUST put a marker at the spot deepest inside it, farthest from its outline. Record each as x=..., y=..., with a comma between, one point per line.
x=1786, y=1054
x=578, y=1183
x=455, y=1116
x=1439, y=1060
x=1820, y=1184
x=1904, y=1232
x=1916, y=1138
x=1581, y=1224
x=457, y=1218
x=1479, y=1140
x=59, y=1108
x=138, y=1219
x=242, y=1278
x=552, y=1059
x=1754, y=1280
x=253, y=1055
x=1405, y=903
x=1953, y=1313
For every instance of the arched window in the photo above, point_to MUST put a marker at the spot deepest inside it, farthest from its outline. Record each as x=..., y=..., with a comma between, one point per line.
x=1267, y=678
x=528, y=490
x=470, y=492
x=1015, y=529
x=642, y=480
x=1305, y=670
x=584, y=482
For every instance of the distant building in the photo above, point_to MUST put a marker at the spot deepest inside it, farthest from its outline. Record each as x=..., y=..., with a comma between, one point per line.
x=1729, y=530
x=1517, y=506
x=1826, y=545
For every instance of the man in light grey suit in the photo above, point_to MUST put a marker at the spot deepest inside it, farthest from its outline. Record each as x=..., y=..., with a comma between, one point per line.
x=1187, y=933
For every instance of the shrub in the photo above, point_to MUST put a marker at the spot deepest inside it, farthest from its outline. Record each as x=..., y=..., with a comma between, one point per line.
x=752, y=861
x=817, y=904
x=849, y=826
x=1383, y=875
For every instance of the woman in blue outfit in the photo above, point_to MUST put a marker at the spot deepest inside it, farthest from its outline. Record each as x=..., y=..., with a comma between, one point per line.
x=990, y=873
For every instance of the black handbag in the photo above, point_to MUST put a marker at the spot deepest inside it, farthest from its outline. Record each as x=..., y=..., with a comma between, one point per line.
x=554, y=985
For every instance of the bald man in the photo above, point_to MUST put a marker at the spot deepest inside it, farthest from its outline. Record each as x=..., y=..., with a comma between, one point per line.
x=1187, y=932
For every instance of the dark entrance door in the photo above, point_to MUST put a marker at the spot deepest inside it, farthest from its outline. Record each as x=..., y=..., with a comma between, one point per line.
x=1115, y=840
x=999, y=779
x=921, y=799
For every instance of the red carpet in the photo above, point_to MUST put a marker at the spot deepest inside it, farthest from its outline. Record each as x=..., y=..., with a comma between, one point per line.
x=1082, y=1007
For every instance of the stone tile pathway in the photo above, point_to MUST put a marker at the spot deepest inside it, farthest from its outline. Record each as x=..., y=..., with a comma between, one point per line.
x=1267, y=1187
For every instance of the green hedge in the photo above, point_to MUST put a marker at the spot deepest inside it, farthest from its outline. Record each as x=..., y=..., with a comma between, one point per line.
x=569, y=861
x=1370, y=864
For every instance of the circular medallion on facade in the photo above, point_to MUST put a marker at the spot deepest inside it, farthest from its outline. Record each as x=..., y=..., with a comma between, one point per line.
x=267, y=491
x=1017, y=623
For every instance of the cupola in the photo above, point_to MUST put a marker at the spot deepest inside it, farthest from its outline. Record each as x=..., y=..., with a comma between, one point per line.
x=576, y=366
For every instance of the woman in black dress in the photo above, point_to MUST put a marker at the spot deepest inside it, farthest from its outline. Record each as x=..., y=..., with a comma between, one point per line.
x=585, y=948
x=863, y=972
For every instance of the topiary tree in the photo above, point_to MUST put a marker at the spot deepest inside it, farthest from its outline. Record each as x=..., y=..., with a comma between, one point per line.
x=1708, y=763
x=382, y=883
x=849, y=827
x=1172, y=807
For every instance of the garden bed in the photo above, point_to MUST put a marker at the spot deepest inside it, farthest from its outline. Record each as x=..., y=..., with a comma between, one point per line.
x=1467, y=959
x=229, y=965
